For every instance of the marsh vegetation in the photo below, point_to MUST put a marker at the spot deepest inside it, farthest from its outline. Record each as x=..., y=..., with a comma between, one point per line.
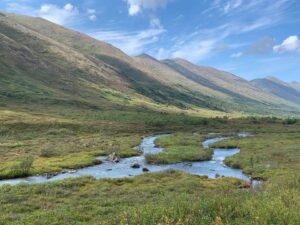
x=41, y=143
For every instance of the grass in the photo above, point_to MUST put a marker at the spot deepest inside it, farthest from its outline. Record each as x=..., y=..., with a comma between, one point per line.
x=57, y=143
x=179, y=147
x=41, y=165
x=64, y=138
x=266, y=154
x=60, y=108
x=59, y=139
x=161, y=198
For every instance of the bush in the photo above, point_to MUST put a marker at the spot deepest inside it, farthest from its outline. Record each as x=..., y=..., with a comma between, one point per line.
x=23, y=169
x=290, y=121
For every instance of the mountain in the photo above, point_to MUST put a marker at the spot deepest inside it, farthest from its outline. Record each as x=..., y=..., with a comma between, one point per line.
x=295, y=85
x=45, y=64
x=239, y=91
x=278, y=88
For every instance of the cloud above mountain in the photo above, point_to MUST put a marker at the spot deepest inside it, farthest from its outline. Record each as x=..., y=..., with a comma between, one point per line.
x=223, y=33
x=56, y=14
x=290, y=44
x=136, y=6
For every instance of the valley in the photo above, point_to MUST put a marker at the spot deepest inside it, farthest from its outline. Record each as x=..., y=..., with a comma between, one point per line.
x=68, y=101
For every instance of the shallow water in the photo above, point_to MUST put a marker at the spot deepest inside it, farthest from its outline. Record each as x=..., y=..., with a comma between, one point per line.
x=123, y=168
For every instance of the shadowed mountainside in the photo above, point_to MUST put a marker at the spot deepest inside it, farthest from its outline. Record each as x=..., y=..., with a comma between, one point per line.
x=278, y=88
x=46, y=64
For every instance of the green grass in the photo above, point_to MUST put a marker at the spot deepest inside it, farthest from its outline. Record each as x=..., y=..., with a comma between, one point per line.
x=162, y=198
x=179, y=147
x=266, y=154
x=58, y=112
x=57, y=143
x=62, y=139
x=41, y=165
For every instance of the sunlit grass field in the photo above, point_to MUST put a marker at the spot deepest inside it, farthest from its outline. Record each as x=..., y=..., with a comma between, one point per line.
x=37, y=143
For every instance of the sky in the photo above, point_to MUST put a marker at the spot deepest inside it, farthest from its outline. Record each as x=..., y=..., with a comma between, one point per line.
x=249, y=38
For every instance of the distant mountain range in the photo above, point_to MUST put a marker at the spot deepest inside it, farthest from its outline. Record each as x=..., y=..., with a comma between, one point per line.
x=46, y=64
x=274, y=86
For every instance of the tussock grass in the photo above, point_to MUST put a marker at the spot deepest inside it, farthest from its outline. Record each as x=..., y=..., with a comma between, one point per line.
x=265, y=153
x=161, y=198
x=180, y=147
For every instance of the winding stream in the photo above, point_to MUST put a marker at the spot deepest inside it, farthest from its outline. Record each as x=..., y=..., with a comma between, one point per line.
x=123, y=169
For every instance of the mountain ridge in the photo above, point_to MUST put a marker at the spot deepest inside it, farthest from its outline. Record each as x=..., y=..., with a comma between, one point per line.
x=48, y=64
x=295, y=85
x=279, y=88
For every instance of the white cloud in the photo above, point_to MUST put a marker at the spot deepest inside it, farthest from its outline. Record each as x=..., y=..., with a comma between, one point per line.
x=69, y=7
x=136, y=6
x=162, y=53
x=203, y=43
x=93, y=17
x=236, y=55
x=56, y=14
x=231, y=5
x=18, y=7
x=195, y=50
x=67, y=14
x=92, y=14
x=155, y=23
x=134, y=9
x=132, y=43
x=291, y=44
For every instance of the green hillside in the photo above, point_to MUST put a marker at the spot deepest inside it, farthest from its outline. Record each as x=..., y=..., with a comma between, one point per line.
x=66, y=98
x=46, y=64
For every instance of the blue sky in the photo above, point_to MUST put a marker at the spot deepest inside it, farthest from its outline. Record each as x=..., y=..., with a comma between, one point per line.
x=250, y=38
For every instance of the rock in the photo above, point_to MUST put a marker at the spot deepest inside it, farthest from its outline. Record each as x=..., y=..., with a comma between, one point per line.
x=109, y=170
x=51, y=175
x=189, y=164
x=135, y=166
x=217, y=175
x=68, y=171
x=244, y=186
x=145, y=169
x=257, y=178
x=113, y=157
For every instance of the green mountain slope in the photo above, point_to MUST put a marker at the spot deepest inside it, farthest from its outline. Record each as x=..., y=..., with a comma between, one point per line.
x=241, y=93
x=60, y=64
x=46, y=64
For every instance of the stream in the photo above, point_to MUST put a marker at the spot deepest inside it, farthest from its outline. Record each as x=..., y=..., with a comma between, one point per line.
x=123, y=169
